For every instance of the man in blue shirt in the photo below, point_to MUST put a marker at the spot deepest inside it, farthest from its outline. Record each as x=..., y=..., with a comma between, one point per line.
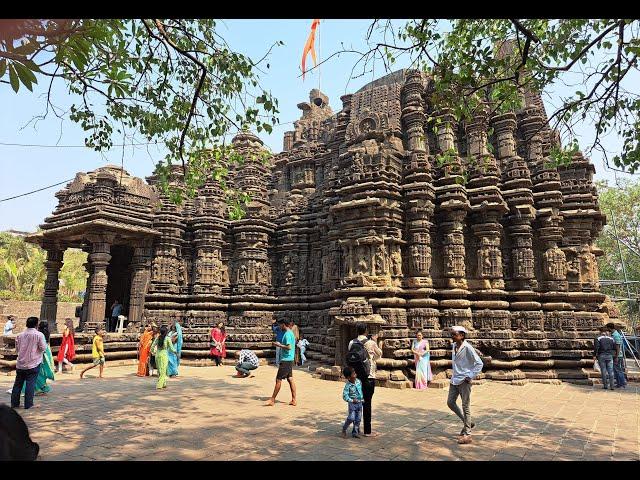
x=116, y=309
x=285, y=369
x=466, y=366
x=278, y=330
x=618, y=361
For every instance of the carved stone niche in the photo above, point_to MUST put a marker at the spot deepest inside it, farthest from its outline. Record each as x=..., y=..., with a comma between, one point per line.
x=367, y=126
x=423, y=319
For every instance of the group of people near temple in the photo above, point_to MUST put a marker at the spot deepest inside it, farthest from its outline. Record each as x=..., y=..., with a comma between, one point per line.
x=609, y=356
x=35, y=364
x=160, y=348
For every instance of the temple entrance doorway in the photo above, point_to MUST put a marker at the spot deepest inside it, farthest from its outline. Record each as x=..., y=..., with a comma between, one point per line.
x=119, y=274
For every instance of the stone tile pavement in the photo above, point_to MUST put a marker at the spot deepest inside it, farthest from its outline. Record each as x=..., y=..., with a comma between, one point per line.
x=205, y=414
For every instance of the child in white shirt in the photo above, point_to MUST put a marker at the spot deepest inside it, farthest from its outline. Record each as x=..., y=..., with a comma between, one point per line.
x=303, y=343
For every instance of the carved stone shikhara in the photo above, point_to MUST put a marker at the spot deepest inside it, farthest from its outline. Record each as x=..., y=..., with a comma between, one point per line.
x=387, y=212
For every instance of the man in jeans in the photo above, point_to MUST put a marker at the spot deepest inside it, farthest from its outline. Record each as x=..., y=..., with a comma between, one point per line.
x=605, y=350
x=278, y=330
x=466, y=366
x=30, y=345
x=618, y=361
x=368, y=381
x=247, y=361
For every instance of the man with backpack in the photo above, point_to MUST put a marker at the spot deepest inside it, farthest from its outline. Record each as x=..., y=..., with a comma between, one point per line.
x=362, y=354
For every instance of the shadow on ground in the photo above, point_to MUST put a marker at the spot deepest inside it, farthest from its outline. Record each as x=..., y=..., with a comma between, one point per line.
x=123, y=418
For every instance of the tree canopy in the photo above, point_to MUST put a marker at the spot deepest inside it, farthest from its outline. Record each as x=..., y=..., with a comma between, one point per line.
x=179, y=83
x=23, y=272
x=170, y=81
x=621, y=204
x=495, y=62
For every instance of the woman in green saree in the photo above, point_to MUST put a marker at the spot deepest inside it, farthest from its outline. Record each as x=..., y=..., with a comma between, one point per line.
x=160, y=348
x=47, y=366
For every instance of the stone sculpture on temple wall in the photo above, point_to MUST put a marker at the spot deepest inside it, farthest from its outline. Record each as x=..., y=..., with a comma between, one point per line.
x=573, y=269
x=588, y=267
x=242, y=274
x=396, y=261
x=555, y=263
x=362, y=266
x=224, y=270
x=182, y=274
x=380, y=264
x=454, y=260
x=489, y=260
x=523, y=263
x=155, y=269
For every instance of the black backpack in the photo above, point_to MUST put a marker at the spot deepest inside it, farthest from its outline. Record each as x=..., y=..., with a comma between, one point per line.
x=358, y=359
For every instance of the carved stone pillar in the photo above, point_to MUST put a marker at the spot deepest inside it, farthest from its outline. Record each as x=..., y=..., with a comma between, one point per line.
x=548, y=200
x=85, y=300
x=516, y=179
x=99, y=258
x=140, y=273
x=487, y=206
x=418, y=185
x=451, y=197
x=49, y=307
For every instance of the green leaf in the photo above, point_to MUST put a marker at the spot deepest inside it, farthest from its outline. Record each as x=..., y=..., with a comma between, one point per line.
x=13, y=79
x=27, y=73
x=3, y=67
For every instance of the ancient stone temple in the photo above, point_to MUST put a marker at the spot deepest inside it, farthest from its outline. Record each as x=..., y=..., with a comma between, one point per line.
x=387, y=212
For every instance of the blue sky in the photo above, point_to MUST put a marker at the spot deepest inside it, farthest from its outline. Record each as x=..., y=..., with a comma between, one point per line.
x=25, y=169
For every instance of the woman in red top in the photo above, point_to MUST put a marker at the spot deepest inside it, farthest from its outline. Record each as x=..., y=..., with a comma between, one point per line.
x=67, y=350
x=218, y=346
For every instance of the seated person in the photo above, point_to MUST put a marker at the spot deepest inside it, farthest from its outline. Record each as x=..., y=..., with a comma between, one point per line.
x=247, y=360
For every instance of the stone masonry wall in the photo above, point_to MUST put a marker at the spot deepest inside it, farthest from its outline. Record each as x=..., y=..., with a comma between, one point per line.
x=23, y=309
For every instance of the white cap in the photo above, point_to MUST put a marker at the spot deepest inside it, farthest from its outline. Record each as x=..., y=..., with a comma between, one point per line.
x=458, y=328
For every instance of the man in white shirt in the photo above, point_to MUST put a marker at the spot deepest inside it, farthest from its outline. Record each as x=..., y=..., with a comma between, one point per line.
x=9, y=326
x=466, y=366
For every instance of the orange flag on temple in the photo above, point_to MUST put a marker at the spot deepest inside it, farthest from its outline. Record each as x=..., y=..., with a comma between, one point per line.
x=310, y=46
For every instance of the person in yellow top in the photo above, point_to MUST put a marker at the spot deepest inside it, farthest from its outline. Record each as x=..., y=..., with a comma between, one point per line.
x=97, y=352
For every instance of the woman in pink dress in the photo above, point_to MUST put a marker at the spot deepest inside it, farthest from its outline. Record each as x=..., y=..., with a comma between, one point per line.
x=218, y=346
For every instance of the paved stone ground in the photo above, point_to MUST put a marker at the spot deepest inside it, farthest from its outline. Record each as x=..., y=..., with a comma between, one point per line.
x=206, y=415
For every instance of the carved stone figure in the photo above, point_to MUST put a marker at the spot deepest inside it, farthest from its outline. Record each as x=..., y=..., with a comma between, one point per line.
x=396, y=262
x=242, y=275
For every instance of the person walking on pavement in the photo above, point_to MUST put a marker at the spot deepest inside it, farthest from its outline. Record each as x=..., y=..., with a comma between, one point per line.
x=30, y=345
x=466, y=366
x=285, y=369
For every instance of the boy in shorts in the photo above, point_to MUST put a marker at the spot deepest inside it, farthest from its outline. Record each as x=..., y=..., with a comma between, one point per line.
x=285, y=369
x=97, y=352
